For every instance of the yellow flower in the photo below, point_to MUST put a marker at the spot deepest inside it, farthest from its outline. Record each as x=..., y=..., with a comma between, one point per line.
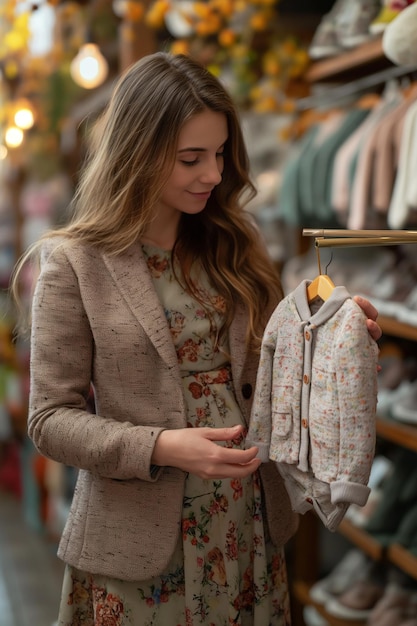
x=180, y=46
x=202, y=10
x=259, y=21
x=289, y=47
x=14, y=41
x=240, y=51
x=255, y=93
x=11, y=69
x=240, y=6
x=156, y=13
x=215, y=70
x=227, y=37
x=268, y=104
x=224, y=7
x=134, y=11
x=271, y=64
x=302, y=58
x=208, y=27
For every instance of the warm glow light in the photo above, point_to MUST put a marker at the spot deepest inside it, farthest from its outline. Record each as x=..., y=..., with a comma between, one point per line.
x=89, y=68
x=23, y=118
x=3, y=152
x=13, y=137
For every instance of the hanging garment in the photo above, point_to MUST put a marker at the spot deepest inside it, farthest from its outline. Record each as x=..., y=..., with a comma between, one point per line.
x=346, y=175
x=387, y=152
x=315, y=402
x=399, y=208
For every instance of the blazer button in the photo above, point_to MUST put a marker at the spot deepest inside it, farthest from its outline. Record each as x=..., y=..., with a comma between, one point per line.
x=247, y=391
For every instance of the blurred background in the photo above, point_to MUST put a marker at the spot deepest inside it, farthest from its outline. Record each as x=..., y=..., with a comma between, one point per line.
x=280, y=59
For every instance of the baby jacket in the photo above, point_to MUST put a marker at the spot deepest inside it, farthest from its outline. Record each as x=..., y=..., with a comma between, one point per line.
x=315, y=401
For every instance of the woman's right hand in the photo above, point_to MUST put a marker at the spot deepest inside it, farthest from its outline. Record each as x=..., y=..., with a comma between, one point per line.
x=195, y=450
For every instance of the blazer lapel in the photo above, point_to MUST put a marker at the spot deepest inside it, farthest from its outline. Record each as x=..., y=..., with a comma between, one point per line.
x=238, y=349
x=131, y=275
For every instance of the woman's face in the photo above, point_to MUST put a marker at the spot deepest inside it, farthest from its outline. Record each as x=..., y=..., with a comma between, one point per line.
x=198, y=165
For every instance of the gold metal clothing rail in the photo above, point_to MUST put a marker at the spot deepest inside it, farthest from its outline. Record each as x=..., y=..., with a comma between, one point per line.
x=333, y=237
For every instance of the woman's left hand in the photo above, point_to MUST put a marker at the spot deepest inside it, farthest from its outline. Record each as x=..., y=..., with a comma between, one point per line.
x=372, y=314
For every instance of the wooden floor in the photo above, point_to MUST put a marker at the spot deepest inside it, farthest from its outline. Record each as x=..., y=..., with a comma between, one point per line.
x=30, y=573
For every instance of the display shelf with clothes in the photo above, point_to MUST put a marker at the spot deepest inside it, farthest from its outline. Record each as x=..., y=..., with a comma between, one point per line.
x=382, y=532
x=372, y=148
x=352, y=167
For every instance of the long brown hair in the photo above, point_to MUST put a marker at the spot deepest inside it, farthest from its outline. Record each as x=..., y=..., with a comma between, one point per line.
x=131, y=150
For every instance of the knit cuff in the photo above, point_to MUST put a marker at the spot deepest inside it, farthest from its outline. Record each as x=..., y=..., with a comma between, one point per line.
x=353, y=493
x=263, y=449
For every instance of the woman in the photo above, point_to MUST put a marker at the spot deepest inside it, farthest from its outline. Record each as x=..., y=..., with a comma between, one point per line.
x=156, y=296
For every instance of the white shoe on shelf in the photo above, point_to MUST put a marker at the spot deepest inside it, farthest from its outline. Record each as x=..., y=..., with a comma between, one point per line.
x=341, y=577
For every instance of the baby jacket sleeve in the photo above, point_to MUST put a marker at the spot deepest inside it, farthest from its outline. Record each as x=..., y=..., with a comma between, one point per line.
x=343, y=408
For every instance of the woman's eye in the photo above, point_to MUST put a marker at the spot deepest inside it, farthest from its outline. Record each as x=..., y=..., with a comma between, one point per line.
x=189, y=163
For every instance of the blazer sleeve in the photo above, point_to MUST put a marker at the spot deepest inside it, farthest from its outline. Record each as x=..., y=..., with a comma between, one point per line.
x=61, y=362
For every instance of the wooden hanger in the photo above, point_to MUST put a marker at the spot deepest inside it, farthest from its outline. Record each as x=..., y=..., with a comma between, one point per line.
x=368, y=101
x=322, y=286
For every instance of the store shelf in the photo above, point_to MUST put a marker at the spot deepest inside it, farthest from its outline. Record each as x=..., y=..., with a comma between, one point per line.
x=301, y=592
x=399, y=556
x=362, y=540
x=367, y=58
x=395, y=432
x=391, y=326
x=351, y=69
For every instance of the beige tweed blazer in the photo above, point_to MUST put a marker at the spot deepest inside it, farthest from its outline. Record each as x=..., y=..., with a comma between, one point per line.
x=97, y=319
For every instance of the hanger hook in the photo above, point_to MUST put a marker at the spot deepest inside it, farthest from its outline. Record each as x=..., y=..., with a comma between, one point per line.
x=330, y=260
x=317, y=245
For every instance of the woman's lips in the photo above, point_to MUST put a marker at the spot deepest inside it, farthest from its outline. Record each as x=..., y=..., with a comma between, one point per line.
x=203, y=195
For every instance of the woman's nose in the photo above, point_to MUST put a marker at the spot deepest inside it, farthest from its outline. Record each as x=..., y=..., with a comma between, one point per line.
x=213, y=173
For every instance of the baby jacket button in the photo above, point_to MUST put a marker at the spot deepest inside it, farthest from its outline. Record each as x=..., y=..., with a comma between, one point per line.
x=309, y=500
x=304, y=423
x=307, y=335
x=306, y=379
x=247, y=391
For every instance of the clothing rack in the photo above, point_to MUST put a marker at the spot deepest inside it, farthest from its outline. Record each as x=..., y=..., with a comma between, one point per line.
x=328, y=96
x=333, y=237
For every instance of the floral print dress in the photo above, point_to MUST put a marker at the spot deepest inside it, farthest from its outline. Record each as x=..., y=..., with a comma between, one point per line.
x=225, y=570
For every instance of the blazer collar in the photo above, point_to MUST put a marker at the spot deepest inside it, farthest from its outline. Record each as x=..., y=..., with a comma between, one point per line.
x=131, y=275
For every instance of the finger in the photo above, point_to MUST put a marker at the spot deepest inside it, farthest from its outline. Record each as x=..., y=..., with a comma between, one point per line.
x=367, y=307
x=374, y=329
x=235, y=456
x=230, y=470
x=223, y=434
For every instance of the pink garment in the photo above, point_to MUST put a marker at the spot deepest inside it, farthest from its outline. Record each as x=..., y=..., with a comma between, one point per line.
x=387, y=156
x=399, y=209
x=360, y=195
x=341, y=181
